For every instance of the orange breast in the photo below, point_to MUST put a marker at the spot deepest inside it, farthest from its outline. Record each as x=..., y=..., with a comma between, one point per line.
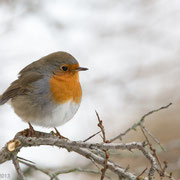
x=65, y=87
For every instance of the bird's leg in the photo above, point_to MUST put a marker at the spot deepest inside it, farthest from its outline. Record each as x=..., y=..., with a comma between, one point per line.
x=31, y=131
x=59, y=135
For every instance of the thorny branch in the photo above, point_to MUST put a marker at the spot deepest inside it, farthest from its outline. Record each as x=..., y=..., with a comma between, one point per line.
x=100, y=124
x=139, y=123
x=92, y=151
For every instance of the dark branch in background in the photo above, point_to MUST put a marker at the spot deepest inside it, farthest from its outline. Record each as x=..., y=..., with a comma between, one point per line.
x=97, y=153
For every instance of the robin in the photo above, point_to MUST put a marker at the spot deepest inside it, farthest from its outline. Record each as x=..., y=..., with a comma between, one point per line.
x=47, y=92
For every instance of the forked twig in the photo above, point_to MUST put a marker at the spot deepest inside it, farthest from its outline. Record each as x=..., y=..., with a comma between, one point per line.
x=134, y=126
x=100, y=125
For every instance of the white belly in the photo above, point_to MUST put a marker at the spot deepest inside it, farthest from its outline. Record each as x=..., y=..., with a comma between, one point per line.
x=60, y=115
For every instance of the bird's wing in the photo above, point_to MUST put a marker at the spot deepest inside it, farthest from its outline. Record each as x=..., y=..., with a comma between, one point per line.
x=23, y=85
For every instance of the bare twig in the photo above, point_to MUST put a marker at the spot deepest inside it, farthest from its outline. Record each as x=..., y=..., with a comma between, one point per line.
x=91, y=137
x=24, y=160
x=105, y=165
x=153, y=168
x=53, y=175
x=138, y=177
x=100, y=125
x=78, y=170
x=17, y=167
x=134, y=126
x=155, y=139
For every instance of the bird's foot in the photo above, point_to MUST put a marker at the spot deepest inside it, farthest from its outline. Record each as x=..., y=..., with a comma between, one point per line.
x=57, y=134
x=29, y=132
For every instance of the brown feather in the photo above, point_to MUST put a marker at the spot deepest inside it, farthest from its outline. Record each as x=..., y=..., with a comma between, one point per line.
x=21, y=86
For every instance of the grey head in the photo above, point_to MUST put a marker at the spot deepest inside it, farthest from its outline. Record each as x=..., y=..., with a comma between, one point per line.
x=50, y=63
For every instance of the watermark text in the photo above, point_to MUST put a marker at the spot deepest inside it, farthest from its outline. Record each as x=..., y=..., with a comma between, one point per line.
x=5, y=176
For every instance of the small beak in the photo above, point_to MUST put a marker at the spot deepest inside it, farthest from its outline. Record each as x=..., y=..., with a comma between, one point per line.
x=81, y=69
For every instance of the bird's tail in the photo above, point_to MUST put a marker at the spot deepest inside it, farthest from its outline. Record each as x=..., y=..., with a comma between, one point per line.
x=2, y=100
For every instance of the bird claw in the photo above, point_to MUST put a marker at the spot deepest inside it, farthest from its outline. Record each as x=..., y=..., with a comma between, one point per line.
x=57, y=134
x=29, y=132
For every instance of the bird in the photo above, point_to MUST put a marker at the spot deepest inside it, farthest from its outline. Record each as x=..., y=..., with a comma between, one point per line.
x=47, y=92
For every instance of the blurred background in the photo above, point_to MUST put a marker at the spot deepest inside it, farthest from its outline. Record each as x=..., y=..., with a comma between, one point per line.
x=132, y=50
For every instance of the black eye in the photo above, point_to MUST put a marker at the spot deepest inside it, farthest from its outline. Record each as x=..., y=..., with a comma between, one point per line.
x=64, y=68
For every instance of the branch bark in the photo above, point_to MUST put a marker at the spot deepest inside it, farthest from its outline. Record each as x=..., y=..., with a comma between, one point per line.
x=17, y=167
x=79, y=147
x=96, y=152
